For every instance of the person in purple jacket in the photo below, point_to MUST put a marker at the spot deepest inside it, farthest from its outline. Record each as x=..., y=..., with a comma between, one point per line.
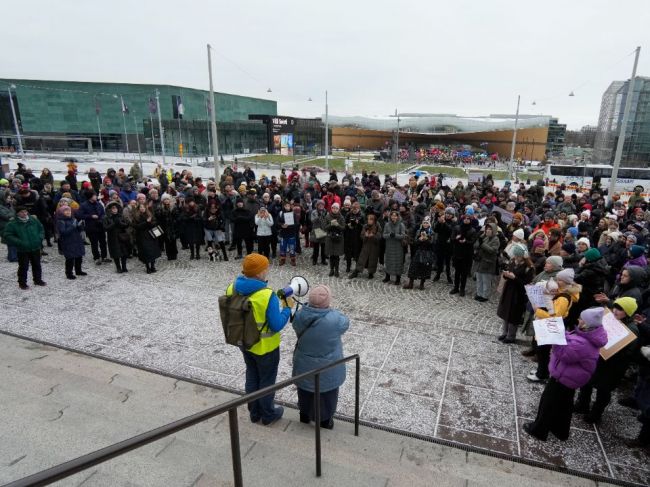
x=571, y=367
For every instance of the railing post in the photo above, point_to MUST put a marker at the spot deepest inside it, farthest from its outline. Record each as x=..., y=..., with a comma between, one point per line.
x=357, y=386
x=317, y=421
x=234, y=447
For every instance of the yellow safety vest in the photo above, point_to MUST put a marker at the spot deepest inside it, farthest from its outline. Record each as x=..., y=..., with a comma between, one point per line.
x=269, y=339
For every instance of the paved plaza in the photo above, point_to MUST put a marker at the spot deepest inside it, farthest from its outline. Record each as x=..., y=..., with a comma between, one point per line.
x=431, y=363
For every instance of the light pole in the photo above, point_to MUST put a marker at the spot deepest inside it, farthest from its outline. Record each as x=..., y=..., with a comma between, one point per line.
x=397, y=139
x=626, y=115
x=13, y=113
x=213, y=123
x=99, y=128
x=514, y=138
x=160, y=127
x=207, y=117
x=327, y=142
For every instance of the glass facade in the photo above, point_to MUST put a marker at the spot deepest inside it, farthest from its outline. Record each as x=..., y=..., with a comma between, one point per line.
x=120, y=112
x=636, y=149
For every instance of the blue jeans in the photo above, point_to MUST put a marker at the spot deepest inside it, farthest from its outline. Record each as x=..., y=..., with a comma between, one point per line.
x=12, y=253
x=261, y=372
x=287, y=245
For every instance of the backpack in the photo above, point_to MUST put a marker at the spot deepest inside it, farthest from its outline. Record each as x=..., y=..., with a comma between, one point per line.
x=238, y=321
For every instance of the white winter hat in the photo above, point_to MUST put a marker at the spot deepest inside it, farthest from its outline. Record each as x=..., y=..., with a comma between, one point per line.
x=519, y=233
x=585, y=241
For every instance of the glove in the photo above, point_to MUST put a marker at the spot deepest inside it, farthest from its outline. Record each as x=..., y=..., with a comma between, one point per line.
x=289, y=302
x=392, y=235
x=645, y=351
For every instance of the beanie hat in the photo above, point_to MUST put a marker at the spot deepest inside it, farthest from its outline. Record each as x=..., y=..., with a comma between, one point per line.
x=538, y=242
x=593, y=317
x=614, y=236
x=518, y=250
x=573, y=231
x=566, y=276
x=3, y=182
x=636, y=251
x=556, y=262
x=551, y=285
x=518, y=216
x=592, y=255
x=254, y=264
x=469, y=211
x=519, y=233
x=335, y=205
x=569, y=247
x=627, y=304
x=585, y=241
x=320, y=296
x=631, y=237
x=451, y=211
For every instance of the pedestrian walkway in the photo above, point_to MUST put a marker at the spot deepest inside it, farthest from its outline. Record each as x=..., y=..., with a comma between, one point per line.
x=431, y=362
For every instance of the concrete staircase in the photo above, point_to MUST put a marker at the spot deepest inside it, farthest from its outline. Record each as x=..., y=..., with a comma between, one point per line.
x=57, y=405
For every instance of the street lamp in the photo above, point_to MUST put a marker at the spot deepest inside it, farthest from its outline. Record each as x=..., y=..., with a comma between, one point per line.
x=123, y=109
x=13, y=113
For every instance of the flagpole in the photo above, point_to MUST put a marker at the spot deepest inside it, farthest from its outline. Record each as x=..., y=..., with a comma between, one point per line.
x=160, y=127
x=99, y=128
x=179, y=103
x=153, y=138
x=126, y=137
x=137, y=138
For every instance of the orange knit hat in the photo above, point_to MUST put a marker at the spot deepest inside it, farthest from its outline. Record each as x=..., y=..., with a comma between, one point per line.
x=254, y=264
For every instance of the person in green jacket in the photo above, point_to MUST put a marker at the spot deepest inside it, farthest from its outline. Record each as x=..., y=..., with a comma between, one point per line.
x=26, y=233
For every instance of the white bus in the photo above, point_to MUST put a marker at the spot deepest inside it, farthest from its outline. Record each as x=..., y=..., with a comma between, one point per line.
x=586, y=176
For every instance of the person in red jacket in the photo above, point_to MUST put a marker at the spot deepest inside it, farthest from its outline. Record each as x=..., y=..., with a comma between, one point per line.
x=330, y=198
x=547, y=224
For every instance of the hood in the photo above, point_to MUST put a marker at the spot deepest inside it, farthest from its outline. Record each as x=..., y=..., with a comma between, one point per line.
x=596, y=336
x=637, y=275
x=246, y=285
x=309, y=315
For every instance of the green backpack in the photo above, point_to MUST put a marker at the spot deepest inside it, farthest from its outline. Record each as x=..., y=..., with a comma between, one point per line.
x=238, y=321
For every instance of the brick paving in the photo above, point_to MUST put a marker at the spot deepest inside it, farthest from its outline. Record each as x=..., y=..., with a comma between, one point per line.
x=431, y=363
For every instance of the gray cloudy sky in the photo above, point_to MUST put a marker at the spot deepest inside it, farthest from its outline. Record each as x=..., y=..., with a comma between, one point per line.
x=461, y=56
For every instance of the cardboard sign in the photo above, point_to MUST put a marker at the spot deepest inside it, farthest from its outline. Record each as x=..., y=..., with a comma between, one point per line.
x=538, y=298
x=619, y=336
x=550, y=331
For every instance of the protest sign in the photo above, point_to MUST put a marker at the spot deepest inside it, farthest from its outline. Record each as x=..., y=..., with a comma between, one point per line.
x=550, y=331
x=618, y=336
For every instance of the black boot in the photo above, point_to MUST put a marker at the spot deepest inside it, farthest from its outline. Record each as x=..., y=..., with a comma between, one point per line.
x=409, y=285
x=222, y=246
x=397, y=280
x=387, y=278
x=153, y=267
x=331, y=266
x=118, y=266
x=449, y=281
x=436, y=278
x=355, y=273
x=421, y=284
x=123, y=260
x=148, y=266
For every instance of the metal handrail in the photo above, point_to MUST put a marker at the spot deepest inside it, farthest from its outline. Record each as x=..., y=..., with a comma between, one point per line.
x=63, y=470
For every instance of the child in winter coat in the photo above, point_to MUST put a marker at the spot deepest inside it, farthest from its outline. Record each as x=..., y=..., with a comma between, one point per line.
x=571, y=367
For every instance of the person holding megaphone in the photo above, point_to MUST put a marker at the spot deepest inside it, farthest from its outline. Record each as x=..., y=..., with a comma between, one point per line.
x=319, y=329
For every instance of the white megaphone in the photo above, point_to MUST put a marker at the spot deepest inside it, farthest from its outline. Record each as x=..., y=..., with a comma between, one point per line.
x=298, y=286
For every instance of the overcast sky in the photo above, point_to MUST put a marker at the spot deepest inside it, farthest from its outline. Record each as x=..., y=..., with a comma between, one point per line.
x=461, y=56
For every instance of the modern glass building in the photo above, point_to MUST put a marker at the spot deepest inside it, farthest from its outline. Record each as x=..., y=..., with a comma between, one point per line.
x=636, y=149
x=116, y=117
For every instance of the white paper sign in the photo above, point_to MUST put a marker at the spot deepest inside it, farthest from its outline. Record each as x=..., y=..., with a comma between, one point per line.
x=550, y=331
x=538, y=298
x=288, y=218
x=616, y=331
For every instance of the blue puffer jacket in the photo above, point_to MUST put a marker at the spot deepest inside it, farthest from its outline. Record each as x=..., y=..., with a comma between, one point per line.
x=319, y=345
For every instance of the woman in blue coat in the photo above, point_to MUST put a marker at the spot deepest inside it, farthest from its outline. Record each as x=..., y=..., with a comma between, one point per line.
x=71, y=244
x=319, y=329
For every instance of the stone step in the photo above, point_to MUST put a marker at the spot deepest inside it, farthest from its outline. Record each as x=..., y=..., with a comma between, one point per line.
x=44, y=425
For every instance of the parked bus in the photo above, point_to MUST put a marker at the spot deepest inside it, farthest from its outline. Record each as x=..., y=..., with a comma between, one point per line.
x=586, y=176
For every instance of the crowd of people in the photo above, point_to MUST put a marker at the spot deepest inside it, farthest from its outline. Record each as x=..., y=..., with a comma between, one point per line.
x=589, y=253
